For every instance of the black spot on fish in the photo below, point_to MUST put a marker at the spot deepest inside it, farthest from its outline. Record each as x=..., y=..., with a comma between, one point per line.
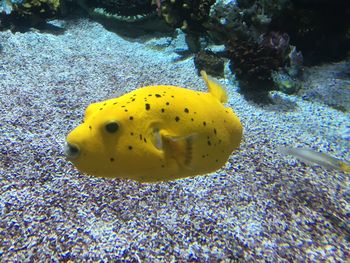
x=131, y=118
x=112, y=159
x=217, y=160
x=133, y=99
x=90, y=127
x=145, y=140
x=163, y=166
x=167, y=103
x=123, y=106
x=149, y=95
x=163, y=110
x=172, y=96
x=101, y=108
x=209, y=143
x=141, y=137
x=126, y=110
x=192, y=119
x=148, y=107
x=195, y=112
x=130, y=147
x=131, y=133
x=158, y=96
x=224, y=121
x=104, y=104
x=115, y=103
x=214, y=131
x=177, y=118
x=204, y=123
x=186, y=110
x=203, y=156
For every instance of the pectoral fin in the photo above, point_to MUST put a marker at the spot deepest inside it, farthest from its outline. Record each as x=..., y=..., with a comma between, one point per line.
x=175, y=147
x=157, y=139
x=180, y=148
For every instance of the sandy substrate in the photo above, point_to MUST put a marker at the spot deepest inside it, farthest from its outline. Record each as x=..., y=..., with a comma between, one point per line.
x=261, y=206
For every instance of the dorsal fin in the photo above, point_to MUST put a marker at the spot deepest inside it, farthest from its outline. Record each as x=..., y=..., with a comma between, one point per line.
x=215, y=88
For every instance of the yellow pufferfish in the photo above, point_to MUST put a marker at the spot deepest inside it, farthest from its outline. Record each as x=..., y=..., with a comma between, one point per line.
x=156, y=133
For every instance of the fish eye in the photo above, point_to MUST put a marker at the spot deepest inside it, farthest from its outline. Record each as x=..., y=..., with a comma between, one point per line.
x=112, y=127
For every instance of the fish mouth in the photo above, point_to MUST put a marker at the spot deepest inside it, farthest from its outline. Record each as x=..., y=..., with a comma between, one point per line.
x=71, y=151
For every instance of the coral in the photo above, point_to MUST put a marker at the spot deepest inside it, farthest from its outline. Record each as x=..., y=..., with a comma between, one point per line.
x=210, y=62
x=31, y=7
x=258, y=13
x=188, y=15
x=296, y=61
x=320, y=29
x=253, y=62
x=19, y=15
x=285, y=82
x=224, y=21
x=243, y=18
x=123, y=7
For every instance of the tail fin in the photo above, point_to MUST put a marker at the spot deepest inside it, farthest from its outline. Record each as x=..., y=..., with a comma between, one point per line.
x=215, y=88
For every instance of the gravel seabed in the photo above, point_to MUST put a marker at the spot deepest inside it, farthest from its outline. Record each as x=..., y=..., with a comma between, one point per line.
x=261, y=207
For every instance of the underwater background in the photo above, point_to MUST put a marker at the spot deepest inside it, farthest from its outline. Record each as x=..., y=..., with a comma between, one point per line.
x=262, y=205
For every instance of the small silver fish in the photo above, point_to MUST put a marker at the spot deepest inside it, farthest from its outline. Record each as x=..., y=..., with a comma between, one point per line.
x=312, y=157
